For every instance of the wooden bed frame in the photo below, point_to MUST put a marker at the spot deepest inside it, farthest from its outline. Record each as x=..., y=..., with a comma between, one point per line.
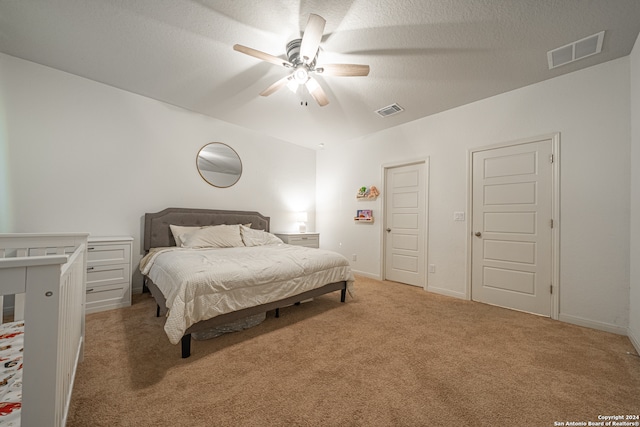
x=47, y=275
x=158, y=234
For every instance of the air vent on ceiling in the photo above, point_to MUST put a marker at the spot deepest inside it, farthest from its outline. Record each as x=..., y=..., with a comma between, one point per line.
x=577, y=50
x=390, y=110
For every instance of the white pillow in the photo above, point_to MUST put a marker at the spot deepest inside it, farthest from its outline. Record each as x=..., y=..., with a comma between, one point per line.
x=178, y=230
x=215, y=236
x=252, y=237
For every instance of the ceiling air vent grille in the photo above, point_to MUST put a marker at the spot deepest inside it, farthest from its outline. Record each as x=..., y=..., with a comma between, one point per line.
x=390, y=110
x=577, y=50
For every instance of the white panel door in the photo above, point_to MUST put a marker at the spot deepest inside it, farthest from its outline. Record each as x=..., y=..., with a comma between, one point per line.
x=512, y=212
x=405, y=224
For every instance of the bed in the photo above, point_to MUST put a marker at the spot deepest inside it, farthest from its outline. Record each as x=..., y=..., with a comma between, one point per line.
x=40, y=348
x=195, y=301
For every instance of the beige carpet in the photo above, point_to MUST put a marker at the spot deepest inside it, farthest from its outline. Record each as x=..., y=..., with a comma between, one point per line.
x=393, y=356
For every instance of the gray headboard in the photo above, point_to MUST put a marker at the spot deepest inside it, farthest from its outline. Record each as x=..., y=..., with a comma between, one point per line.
x=158, y=234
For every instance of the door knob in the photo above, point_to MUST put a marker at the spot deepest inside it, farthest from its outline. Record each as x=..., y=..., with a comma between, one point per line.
x=478, y=234
x=388, y=230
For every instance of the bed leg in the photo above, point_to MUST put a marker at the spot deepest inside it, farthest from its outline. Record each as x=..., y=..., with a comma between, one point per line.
x=343, y=294
x=186, y=346
x=277, y=312
x=157, y=310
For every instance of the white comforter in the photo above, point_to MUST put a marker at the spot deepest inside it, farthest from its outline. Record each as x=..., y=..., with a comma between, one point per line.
x=200, y=284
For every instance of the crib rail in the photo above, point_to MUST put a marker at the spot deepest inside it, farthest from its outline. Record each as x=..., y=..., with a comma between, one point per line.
x=47, y=273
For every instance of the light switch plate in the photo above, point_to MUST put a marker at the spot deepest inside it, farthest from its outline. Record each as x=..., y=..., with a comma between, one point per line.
x=458, y=216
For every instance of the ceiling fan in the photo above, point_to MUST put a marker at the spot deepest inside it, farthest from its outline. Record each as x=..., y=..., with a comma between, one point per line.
x=302, y=55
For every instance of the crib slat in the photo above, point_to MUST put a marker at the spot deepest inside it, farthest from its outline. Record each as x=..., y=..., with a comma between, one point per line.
x=37, y=251
x=18, y=307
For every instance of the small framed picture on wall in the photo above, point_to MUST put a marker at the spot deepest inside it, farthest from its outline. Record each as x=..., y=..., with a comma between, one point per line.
x=365, y=214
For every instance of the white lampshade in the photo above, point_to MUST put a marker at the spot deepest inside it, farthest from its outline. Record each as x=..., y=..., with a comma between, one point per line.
x=301, y=219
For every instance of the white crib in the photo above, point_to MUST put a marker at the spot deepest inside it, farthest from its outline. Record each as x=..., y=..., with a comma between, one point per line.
x=47, y=275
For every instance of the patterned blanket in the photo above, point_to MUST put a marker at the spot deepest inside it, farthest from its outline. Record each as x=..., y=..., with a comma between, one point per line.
x=11, y=350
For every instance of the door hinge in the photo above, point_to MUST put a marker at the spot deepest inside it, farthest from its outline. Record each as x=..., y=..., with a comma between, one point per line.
x=551, y=223
x=550, y=158
x=551, y=289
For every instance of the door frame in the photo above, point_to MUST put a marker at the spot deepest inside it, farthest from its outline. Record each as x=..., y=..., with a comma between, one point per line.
x=383, y=214
x=555, y=212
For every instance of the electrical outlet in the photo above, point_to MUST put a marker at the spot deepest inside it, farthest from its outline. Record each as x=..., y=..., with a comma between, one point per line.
x=354, y=257
x=432, y=268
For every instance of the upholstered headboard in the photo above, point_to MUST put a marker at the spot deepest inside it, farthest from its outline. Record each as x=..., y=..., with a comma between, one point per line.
x=158, y=234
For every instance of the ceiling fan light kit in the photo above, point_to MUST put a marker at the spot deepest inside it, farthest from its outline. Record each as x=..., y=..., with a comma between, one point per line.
x=301, y=75
x=302, y=55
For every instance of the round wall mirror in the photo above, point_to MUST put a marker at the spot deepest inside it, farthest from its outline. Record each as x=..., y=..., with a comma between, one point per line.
x=219, y=164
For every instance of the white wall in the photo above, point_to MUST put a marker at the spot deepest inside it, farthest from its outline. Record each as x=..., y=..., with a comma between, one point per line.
x=77, y=155
x=634, y=298
x=589, y=108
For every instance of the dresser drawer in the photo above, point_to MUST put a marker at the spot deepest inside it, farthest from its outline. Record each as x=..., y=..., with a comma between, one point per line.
x=108, y=254
x=105, y=275
x=309, y=241
x=106, y=295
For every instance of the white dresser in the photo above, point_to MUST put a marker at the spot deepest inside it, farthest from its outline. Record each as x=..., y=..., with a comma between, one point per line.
x=310, y=240
x=108, y=272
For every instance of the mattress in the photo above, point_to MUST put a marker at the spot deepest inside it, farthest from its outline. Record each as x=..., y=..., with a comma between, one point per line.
x=199, y=284
x=11, y=351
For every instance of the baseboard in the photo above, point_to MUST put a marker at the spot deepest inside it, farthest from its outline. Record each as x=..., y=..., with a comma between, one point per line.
x=580, y=321
x=369, y=275
x=441, y=291
x=447, y=292
x=635, y=340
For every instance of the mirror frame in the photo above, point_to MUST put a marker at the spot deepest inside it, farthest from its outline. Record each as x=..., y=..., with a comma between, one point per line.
x=203, y=173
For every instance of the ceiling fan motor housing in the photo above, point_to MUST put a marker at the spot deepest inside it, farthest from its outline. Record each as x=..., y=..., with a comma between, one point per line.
x=293, y=53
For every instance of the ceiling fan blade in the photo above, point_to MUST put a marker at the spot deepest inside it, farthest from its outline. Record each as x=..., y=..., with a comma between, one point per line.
x=317, y=92
x=344, y=70
x=277, y=85
x=261, y=55
x=311, y=38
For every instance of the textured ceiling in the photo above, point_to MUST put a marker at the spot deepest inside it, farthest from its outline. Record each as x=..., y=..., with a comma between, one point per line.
x=428, y=56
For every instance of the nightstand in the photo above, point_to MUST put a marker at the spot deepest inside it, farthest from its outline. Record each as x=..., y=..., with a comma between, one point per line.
x=309, y=240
